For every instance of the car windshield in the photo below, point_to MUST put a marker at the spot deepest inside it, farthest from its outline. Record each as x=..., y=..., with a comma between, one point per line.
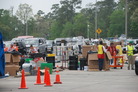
x=49, y=43
x=8, y=43
x=31, y=42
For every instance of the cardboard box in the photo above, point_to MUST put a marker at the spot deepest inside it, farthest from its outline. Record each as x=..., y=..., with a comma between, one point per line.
x=85, y=50
x=117, y=43
x=15, y=58
x=15, y=63
x=108, y=55
x=106, y=63
x=12, y=59
x=92, y=56
x=8, y=58
x=93, y=64
x=94, y=48
x=11, y=69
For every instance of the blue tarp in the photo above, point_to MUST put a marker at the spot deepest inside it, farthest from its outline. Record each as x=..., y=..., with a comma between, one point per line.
x=2, y=58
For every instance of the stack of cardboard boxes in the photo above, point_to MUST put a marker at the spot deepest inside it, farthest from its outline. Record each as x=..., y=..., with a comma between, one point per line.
x=93, y=64
x=12, y=63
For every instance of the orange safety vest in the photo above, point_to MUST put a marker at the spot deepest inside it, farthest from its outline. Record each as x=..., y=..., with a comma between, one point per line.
x=33, y=50
x=5, y=49
x=15, y=48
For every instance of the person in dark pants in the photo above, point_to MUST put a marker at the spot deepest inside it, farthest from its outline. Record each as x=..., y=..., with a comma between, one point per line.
x=101, y=50
x=101, y=61
x=112, y=50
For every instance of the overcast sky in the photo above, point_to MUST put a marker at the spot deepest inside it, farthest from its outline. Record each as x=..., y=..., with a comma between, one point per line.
x=44, y=5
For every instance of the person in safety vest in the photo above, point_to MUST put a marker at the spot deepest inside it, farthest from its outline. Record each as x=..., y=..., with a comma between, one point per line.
x=129, y=50
x=32, y=50
x=10, y=48
x=15, y=47
x=5, y=48
x=101, y=50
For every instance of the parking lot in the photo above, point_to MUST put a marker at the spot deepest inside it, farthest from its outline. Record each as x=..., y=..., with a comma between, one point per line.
x=115, y=80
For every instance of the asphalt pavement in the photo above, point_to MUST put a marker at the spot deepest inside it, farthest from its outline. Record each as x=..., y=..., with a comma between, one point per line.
x=115, y=80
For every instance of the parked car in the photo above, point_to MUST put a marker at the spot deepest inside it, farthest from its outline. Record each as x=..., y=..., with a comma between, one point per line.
x=20, y=38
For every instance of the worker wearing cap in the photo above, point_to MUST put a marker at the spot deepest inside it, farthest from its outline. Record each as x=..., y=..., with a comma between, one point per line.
x=10, y=49
x=15, y=47
x=101, y=50
x=32, y=50
x=129, y=50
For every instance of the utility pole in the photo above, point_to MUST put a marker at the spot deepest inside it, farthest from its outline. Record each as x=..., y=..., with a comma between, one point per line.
x=88, y=31
x=96, y=19
x=12, y=10
x=26, y=25
x=26, y=28
x=126, y=10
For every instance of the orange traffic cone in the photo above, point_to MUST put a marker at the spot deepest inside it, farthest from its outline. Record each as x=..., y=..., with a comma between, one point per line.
x=38, y=80
x=57, y=77
x=47, y=79
x=23, y=82
x=45, y=76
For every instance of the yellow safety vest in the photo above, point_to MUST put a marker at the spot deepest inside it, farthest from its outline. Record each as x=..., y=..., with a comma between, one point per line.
x=120, y=49
x=100, y=49
x=130, y=50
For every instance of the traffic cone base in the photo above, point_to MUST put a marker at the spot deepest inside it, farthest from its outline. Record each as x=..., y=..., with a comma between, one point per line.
x=38, y=83
x=22, y=88
x=57, y=82
x=48, y=85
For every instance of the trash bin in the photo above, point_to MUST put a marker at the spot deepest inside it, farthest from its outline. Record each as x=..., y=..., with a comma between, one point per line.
x=82, y=63
x=73, y=62
x=50, y=58
x=47, y=65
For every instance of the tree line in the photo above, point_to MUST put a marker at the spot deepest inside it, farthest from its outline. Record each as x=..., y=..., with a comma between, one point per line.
x=69, y=19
